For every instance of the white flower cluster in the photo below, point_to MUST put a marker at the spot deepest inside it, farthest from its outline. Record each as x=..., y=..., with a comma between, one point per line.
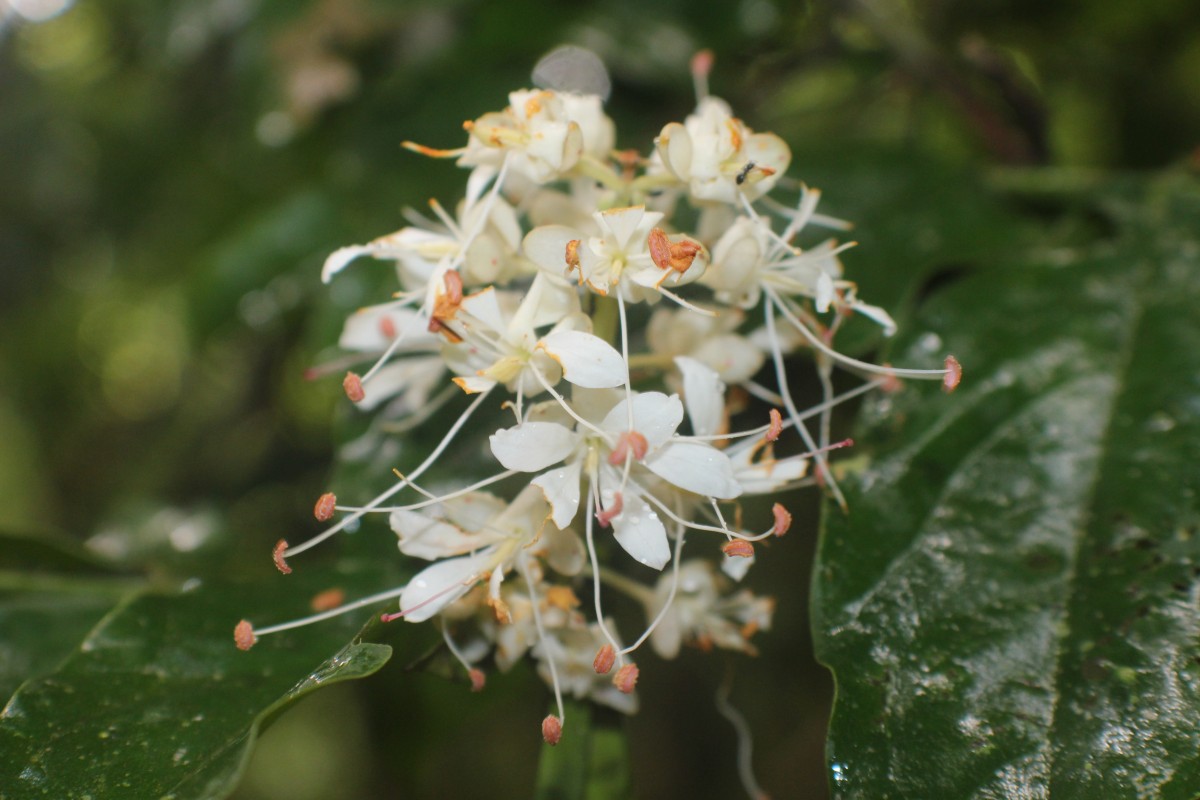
x=617, y=344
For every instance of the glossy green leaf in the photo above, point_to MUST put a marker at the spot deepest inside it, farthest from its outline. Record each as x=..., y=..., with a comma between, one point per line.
x=51, y=594
x=1010, y=608
x=157, y=701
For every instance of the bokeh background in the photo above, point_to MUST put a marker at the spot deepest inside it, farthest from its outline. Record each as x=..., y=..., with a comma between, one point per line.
x=174, y=172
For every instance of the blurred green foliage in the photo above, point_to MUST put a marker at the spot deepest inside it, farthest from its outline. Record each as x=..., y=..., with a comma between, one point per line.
x=174, y=173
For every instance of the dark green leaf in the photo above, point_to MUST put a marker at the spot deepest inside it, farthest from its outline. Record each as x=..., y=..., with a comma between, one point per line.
x=157, y=701
x=1010, y=608
x=51, y=594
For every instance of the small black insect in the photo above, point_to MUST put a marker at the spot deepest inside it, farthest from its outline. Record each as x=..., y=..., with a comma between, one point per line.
x=741, y=177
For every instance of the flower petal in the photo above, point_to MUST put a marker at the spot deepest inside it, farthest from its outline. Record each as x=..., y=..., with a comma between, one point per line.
x=339, y=258
x=674, y=145
x=431, y=539
x=703, y=395
x=695, y=467
x=546, y=246
x=639, y=530
x=532, y=446
x=440, y=584
x=561, y=488
x=586, y=359
x=655, y=416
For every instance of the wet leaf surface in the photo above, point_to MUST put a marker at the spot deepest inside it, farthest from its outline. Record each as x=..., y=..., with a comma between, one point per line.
x=157, y=701
x=1010, y=609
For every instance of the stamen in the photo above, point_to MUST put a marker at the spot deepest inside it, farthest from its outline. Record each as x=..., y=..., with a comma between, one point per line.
x=452, y=587
x=953, y=374
x=555, y=730
x=572, y=258
x=776, y=426
x=605, y=658
x=278, y=555
x=429, y=461
x=783, y=519
x=475, y=675
x=670, y=594
x=387, y=326
x=324, y=508
x=327, y=600
x=433, y=152
x=857, y=364
x=590, y=539
x=668, y=255
x=626, y=678
x=702, y=64
x=627, y=443
x=552, y=730
x=739, y=548
x=243, y=635
x=357, y=604
x=745, y=749
x=352, y=385
x=606, y=515
x=823, y=472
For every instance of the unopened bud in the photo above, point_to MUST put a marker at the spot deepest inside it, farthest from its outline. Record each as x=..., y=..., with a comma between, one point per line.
x=478, y=679
x=352, y=384
x=738, y=547
x=605, y=658
x=953, y=374
x=783, y=519
x=243, y=635
x=323, y=510
x=626, y=678
x=551, y=730
x=278, y=553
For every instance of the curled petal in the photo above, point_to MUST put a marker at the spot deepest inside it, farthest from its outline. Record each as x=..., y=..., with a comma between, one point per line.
x=440, y=584
x=639, y=530
x=697, y=468
x=533, y=446
x=586, y=360
x=560, y=487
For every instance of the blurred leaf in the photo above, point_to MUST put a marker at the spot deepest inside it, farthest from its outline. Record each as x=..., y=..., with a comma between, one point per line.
x=591, y=762
x=51, y=594
x=157, y=701
x=1010, y=606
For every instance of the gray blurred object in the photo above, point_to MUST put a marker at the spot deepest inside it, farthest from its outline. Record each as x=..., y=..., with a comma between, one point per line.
x=572, y=69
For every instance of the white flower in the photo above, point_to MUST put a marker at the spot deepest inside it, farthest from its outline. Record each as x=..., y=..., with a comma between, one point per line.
x=711, y=340
x=719, y=158
x=574, y=651
x=599, y=450
x=492, y=339
x=631, y=254
x=542, y=133
x=476, y=537
x=749, y=257
x=703, y=615
x=487, y=256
